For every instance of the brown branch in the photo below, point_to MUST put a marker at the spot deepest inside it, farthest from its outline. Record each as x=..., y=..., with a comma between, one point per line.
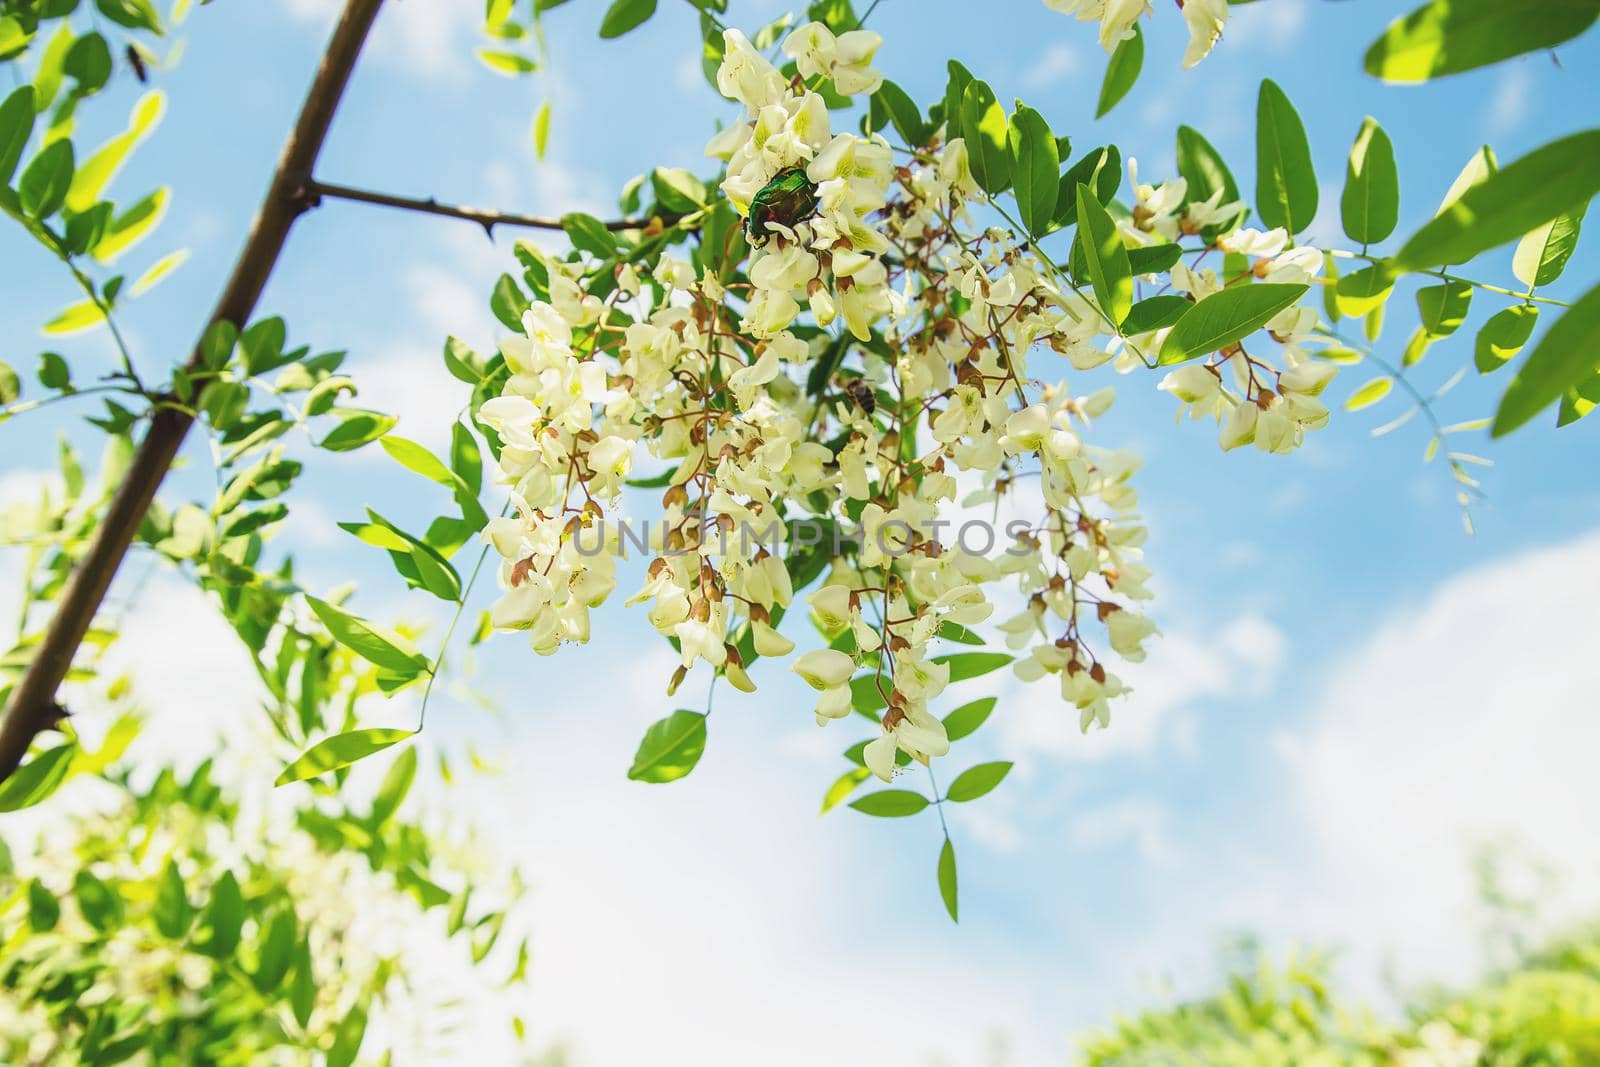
x=33, y=707
x=487, y=219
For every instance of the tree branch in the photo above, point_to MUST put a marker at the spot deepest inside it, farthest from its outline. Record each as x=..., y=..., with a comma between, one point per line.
x=33, y=706
x=316, y=189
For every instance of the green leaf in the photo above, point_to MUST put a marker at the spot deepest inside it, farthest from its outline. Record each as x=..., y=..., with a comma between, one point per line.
x=974, y=782
x=44, y=910
x=396, y=784
x=541, y=131
x=357, y=427
x=625, y=15
x=368, y=641
x=1362, y=291
x=967, y=718
x=347, y=1036
x=276, y=951
x=508, y=303
x=1286, y=183
x=1122, y=70
x=1202, y=168
x=670, y=748
x=131, y=227
x=100, y=904
x=10, y=385
x=1443, y=307
x=1578, y=401
x=134, y=14
x=340, y=750
x=462, y=362
x=42, y=189
x=955, y=91
x=890, y=803
x=1035, y=168
x=987, y=135
x=88, y=62
x=511, y=63
x=172, y=911
x=1450, y=36
x=1370, y=206
x=96, y=172
x=1154, y=259
x=36, y=779
x=950, y=631
x=262, y=343
x=1155, y=313
x=54, y=373
x=465, y=459
x=1224, y=318
x=415, y=458
x=947, y=878
x=1101, y=170
x=158, y=271
x=16, y=126
x=1542, y=255
x=964, y=665
x=1370, y=393
x=1503, y=336
x=1566, y=356
x=842, y=787
x=677, y=190
x=1106, y=257
x=903, y=112
x=303, y=985
x=589, y=234
x=864, y=695
x=223, y=917
x=1560, y=177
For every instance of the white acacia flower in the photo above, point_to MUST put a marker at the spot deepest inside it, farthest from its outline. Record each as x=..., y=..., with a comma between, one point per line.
x=1206, y=19
x=825, y=668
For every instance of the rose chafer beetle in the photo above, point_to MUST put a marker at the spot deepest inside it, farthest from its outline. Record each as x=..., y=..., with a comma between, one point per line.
x=789, y=198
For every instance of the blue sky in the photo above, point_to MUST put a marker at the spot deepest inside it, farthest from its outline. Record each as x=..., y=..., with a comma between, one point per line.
x=1350, y=691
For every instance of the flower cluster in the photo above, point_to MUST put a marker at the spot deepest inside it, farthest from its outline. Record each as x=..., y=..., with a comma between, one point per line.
x=1270, y=408
x=855, y=351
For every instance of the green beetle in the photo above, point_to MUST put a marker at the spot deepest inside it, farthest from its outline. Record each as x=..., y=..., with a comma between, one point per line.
x=789, y=198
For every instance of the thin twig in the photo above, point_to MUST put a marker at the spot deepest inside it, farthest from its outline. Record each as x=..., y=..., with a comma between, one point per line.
x=316, y=189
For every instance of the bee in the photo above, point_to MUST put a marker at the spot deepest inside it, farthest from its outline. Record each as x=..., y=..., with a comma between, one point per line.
x=861, y=393
x=136, y=61
x=789, y=198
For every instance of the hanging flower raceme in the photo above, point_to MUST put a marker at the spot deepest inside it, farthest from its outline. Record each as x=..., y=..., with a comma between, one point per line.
x=847, y=370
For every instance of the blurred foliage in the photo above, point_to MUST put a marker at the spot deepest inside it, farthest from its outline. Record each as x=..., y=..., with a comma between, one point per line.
x=1544, y=1010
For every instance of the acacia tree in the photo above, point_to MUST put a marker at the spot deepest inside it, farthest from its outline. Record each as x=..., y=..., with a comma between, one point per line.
x=814, y=356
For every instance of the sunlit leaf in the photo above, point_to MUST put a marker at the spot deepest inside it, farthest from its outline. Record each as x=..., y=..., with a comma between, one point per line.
x=340, y=750
x=1122, y=70
x=1449, y=36
x=1226, y=317
x=1370, y=206
x=1559, y=177
x=1565, y=357
x=1286, y=182
x=890, y=803
x=974, y=782
x=671, y=747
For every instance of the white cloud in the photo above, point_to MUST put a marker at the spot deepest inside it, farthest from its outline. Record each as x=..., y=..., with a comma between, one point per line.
x=430, y=37
x=1145, y=825
x=1056, y=63
x=1468, y=718
x=1512, y=101
x=1273, y=27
